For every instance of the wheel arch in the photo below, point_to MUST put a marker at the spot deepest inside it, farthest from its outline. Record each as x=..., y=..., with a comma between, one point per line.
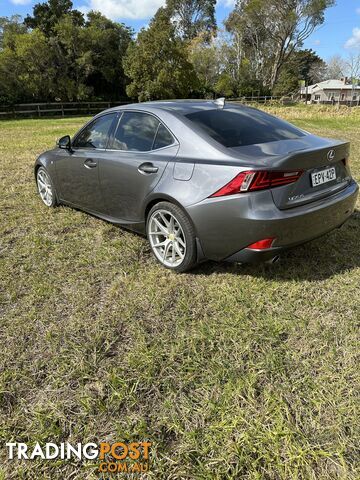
x=41, y=162
x=166, y=198
x=36, y=168
x=47, y=164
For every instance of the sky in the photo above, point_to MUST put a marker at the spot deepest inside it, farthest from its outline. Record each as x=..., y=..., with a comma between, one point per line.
x=339, y=35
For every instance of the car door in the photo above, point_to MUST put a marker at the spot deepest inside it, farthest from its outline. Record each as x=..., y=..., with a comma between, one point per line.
x=138, y=153
x=77, y=169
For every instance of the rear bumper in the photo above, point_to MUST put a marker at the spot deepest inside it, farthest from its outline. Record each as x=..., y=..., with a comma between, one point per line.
x=227, y=225
x=247, y=255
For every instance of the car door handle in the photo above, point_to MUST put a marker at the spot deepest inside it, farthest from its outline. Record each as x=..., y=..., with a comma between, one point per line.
x=147, y=168
x=89, y=163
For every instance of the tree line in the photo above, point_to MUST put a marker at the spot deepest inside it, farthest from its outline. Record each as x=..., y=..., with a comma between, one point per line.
x=58, y=54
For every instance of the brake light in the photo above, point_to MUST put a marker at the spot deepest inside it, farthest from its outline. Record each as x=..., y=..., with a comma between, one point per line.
x=262, y=244
x=257, y=180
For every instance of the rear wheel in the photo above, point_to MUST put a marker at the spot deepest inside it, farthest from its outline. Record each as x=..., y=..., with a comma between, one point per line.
x=46, y=188
x=171, y=237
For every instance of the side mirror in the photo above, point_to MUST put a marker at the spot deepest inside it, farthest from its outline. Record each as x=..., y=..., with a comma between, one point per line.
x=64, y=142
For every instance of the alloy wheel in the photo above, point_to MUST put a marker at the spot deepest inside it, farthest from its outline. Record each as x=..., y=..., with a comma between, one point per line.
x=167, y=238
x=45, y=187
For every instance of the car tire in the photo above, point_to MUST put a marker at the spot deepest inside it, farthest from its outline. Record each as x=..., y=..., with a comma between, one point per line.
x=46, y=188
x=171, y=237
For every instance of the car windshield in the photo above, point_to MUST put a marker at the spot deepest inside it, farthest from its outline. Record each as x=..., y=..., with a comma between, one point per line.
x=234, y=127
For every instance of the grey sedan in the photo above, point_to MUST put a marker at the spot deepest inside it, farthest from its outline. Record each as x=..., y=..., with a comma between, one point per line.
x=202, y=179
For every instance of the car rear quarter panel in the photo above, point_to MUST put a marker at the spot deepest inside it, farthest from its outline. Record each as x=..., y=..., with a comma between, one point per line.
x=205, y=180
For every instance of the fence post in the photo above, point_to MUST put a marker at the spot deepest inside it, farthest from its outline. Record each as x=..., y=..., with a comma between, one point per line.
x=38, y=109
x=62, y=110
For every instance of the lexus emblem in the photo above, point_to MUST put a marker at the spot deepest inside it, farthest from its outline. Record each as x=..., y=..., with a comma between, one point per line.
x=331, y=155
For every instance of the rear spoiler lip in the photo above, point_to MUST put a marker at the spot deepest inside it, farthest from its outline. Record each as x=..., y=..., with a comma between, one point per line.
x=297, y=157
x=254, y=157
x=305, y=158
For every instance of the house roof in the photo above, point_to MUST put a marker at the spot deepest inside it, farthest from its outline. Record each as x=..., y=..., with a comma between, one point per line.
x=328, y=85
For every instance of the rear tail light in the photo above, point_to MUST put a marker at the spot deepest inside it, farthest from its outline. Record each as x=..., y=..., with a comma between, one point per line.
x=262, y=244
x=257, y=180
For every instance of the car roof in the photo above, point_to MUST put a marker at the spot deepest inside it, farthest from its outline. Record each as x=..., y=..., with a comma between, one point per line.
x=182, y=107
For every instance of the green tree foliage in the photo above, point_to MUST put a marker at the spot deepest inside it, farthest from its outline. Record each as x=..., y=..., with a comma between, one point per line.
x=157, y=62
x=302, y=65
x=58, y=54
x=204, y=57
x=47, y=15
x=72, y=60
x=26, y=68
x=62, y=56
x=90, y=57
x=193, y=17
x=225, y=85
x=9, y=28
x=107, y=43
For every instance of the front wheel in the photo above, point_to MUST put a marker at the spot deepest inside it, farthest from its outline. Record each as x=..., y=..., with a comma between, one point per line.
x=46, y=188
x=171, y=237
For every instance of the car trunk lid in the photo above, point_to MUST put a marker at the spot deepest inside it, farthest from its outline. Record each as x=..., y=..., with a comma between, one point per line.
x=323, y=163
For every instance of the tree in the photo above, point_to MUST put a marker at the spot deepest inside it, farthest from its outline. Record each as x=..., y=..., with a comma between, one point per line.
x=352, y=65
x=62, y=57
x=271, y=30
x=90, y=57
x=336, y=68
x=27, y=69
x=193, y=17
x=206, y=62
x=107, y=43
x=224, y=86
x=72, y=60
x=47, y=15
x=157, y=63
x=9, y=28
x=317, y=71
x=302, y=65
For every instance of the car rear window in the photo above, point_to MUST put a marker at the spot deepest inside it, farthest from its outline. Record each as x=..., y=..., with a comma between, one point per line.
x=235, y=127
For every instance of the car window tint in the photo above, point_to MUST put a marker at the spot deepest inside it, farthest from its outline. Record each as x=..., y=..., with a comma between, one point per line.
x=96, y=134
x=136, y=131
x=163, y=137
x=238, y=127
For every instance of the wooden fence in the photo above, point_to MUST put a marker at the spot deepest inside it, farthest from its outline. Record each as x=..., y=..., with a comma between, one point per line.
x=65, y=109
x=261, y=99
x=290, y=99
x=56, y=109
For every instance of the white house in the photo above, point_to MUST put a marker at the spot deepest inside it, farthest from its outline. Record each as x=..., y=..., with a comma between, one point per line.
x=332, y=91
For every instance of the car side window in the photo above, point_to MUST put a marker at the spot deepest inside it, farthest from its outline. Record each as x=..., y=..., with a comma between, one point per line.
x=96, y=134
x=163, y=138
x=135, y=132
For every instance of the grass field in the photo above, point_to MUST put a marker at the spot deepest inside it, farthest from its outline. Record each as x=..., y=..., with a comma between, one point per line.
x=232, y=372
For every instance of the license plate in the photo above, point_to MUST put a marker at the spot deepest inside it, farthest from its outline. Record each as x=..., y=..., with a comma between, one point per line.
x=323, y=176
